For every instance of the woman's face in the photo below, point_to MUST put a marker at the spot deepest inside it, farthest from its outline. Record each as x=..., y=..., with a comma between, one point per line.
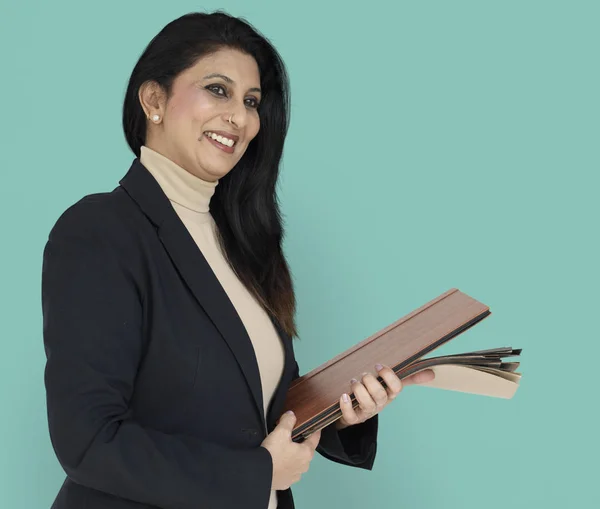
x=203, y=98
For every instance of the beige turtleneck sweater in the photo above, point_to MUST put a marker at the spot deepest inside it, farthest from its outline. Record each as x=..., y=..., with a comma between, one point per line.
x=190, y=197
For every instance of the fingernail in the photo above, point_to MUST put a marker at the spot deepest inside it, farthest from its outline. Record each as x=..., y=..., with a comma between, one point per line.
x=353, y=381
x=378, y=367
x=290, y=412
x=345, y=397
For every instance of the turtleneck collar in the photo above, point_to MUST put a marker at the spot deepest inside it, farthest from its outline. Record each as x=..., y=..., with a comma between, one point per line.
x=180, y=186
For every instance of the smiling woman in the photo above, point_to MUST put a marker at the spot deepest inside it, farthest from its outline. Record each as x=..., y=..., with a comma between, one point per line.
x=169, y=309
x=206, y=106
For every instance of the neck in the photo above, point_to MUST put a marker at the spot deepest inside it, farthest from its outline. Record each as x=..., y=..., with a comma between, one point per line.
x=178, y=184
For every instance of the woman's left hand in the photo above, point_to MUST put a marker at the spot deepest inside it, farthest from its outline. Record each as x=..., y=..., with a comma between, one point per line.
x=373, y=397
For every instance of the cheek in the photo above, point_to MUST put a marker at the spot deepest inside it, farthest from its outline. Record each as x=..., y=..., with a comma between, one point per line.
x=192, y=109
x=254, y=127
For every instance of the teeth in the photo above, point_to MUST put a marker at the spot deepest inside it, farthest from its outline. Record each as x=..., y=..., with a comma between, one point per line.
x=221, y=139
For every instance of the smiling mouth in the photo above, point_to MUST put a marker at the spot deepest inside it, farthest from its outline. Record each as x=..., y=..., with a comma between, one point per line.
x=223, y=140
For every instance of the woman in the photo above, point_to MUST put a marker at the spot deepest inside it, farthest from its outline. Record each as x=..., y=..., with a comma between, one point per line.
x=168, y=304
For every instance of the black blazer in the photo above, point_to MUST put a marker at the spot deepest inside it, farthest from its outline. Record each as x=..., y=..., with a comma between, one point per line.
x=153, y=391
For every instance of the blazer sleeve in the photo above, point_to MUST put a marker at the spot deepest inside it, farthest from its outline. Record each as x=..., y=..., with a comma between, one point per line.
x=354, y=446
x=92, y=331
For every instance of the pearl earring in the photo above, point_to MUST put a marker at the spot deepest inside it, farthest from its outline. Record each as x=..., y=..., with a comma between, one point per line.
x=156, y=118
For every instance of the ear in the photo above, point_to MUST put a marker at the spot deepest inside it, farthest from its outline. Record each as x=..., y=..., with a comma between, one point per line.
x=152, y=99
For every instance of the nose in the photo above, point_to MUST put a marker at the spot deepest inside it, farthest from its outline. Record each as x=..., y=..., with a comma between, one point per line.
x=238, y=114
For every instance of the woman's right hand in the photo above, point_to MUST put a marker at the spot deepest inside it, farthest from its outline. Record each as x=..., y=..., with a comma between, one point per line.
x=290, y=459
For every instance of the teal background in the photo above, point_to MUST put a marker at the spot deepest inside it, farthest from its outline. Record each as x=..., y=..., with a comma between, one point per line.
x=433, y=145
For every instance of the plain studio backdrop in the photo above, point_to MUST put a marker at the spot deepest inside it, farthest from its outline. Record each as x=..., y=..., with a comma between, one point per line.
x=432, y=145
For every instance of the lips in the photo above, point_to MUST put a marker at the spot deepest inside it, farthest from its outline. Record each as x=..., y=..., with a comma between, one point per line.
x=231, y=136
x=224, y=148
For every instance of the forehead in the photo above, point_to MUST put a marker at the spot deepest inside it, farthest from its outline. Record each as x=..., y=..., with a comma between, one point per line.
x=240, y=67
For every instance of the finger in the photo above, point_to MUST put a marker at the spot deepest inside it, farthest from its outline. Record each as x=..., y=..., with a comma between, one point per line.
x=313, y=440
x=419, y=378
x=348, y=413
x=394, y=384
x=377, y=391
x=366, y=402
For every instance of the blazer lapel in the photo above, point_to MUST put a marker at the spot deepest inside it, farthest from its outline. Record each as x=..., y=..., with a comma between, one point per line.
x=278, y=400
x=198, y=275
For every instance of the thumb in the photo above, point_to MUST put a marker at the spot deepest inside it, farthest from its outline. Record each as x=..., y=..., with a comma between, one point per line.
x=287, y=421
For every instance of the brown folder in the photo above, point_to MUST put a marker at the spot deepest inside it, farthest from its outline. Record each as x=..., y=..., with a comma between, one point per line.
x=314, y=397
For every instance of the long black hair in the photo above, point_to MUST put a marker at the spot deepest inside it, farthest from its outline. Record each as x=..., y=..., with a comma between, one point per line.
x=245, y=204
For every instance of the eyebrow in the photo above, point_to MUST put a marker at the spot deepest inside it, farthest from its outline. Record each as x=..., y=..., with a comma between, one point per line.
x=228, y=80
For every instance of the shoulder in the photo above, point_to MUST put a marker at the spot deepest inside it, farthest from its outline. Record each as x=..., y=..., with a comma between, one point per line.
x=100, y=232
x=97, y=216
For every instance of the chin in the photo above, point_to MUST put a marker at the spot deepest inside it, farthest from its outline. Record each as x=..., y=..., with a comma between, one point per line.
x=218, y=172
x=211, y=168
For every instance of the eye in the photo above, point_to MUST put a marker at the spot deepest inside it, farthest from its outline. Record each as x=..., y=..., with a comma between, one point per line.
x=254, y=103
x=212, y=87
